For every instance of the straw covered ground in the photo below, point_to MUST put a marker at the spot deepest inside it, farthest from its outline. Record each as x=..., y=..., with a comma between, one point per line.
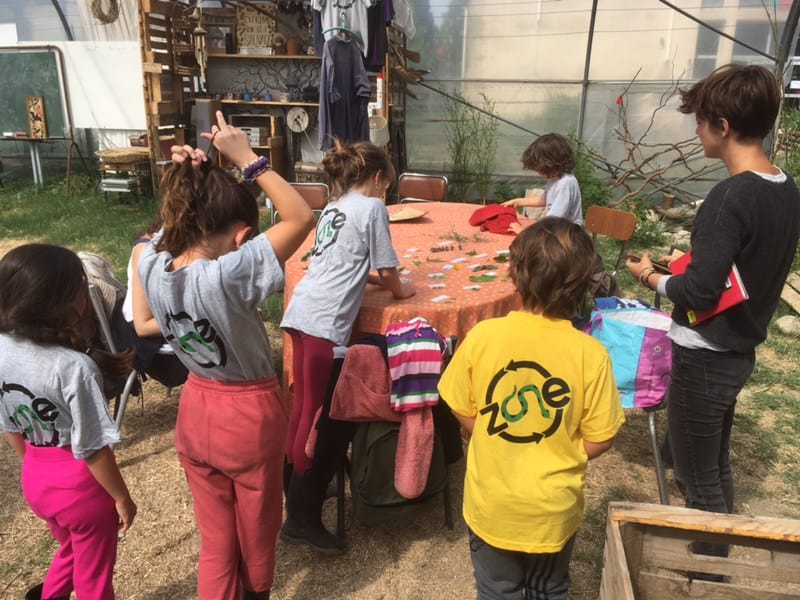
x=415, y=559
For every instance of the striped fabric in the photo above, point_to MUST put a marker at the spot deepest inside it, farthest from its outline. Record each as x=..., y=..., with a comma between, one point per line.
x=415, y=363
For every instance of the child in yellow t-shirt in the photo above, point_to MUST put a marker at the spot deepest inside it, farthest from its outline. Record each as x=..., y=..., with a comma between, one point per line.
x=539, y=398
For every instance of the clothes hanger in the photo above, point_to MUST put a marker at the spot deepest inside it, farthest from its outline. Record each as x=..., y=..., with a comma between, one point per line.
x=356, y=36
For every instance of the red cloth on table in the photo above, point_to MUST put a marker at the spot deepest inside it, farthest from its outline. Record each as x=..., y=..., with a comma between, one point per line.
x=495, y=218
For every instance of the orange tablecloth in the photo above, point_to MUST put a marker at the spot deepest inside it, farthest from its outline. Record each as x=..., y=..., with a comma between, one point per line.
x=444, y=272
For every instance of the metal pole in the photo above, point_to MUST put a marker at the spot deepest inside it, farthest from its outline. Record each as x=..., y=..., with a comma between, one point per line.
x=586, y=65
x=63, y=19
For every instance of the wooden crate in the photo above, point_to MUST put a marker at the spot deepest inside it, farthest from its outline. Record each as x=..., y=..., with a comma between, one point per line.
x=649, y=549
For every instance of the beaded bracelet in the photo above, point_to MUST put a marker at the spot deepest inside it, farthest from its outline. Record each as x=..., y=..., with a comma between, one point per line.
x=255, y=167
x=645, y=274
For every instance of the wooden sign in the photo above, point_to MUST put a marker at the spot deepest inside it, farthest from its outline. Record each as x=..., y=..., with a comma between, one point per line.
x=255, y=29
x=37, y=124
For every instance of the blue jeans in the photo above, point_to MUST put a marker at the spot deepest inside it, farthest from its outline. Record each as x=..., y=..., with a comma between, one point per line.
x=701, y=402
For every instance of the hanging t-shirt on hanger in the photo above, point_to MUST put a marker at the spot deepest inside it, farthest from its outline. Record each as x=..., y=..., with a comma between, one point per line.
x=344, y=13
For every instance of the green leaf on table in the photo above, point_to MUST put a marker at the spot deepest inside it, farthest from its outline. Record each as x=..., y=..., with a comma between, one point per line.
x=481, y=278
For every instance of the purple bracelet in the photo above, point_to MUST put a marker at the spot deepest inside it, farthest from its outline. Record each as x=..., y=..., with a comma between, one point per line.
x=256, y=168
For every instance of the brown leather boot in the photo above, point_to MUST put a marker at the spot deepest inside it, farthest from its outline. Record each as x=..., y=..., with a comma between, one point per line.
x=255, y=595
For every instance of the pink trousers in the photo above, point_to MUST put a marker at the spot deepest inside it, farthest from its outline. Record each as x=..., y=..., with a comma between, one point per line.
x=230, y=439
x=312, y=365
x=82, y=518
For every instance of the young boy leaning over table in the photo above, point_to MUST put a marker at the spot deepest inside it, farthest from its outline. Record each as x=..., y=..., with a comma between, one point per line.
x=539, y=399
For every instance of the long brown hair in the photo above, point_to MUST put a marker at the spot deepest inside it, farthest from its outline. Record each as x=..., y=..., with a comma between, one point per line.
x=352, y=165
x=44, y=297
x=198, y=203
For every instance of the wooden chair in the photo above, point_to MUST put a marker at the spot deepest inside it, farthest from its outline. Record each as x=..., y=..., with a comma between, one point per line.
x=616, y=224
x=315, y=195
x=417, y=187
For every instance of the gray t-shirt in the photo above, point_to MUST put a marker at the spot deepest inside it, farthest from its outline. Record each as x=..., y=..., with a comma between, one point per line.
x=53, y=396
x=352, y=238
x=562, y=198
x=208, y=311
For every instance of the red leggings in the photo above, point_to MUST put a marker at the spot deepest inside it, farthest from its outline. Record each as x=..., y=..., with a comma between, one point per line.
x=230, y=440
x=312, y=365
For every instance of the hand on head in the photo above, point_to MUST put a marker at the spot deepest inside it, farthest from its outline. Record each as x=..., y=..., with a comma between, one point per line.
x=231, y=141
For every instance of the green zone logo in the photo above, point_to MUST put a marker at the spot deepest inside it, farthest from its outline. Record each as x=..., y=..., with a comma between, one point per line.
x=330, y=223
x=34, y=417
x=197, y=338
x=525, y=403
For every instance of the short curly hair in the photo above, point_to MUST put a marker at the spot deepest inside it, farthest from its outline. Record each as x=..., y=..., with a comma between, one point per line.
x=550, y=154
x=551, y=264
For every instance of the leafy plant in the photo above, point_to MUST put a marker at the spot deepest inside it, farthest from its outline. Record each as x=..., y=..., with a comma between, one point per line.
x=594, y=190
x=485, y=141
x=459, y=129
x=504, y=191
x=472, y=143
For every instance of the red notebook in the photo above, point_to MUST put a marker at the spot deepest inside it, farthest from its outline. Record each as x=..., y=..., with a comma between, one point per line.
x=733, y=294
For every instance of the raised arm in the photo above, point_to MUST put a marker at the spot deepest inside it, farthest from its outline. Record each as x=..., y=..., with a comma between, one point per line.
x=296, y=216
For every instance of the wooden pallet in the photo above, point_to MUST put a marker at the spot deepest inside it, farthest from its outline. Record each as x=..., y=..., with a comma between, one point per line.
x=791, y=292
x=649, y=550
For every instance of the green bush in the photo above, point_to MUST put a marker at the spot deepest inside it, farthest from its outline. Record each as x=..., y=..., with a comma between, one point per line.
x=594, y=190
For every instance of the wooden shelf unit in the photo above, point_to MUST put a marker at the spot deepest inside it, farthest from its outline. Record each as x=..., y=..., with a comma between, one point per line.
x=266, y=56
x=273, y=127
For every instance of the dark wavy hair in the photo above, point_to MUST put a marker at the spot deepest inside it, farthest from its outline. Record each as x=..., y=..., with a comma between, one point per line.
x=352, y=165
x=44, y=297
x=198, y=203
x=549, y=154
x=747, y=96
x=551, y=264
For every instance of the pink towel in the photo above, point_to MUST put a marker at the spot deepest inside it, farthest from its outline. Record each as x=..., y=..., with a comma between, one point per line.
x=362, y=394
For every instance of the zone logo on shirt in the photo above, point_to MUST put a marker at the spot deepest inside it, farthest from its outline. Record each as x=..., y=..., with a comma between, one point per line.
x=525, y=412
x=34, y=417
x=330, y=223
x=197, y=338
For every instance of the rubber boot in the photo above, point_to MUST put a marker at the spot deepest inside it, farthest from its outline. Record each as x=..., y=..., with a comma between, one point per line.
x=304, y=516
x=288, y=469
x=255, y=595
x=35, y=593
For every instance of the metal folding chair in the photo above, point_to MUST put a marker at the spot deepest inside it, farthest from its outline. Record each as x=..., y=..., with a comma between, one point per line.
x=132, y=380
x=418, y=187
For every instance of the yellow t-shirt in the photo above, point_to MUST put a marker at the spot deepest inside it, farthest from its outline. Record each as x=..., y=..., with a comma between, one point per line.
x=537, y=388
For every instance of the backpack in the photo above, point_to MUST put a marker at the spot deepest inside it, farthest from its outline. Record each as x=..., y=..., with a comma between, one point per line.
x=640, y=351
x=374, y=496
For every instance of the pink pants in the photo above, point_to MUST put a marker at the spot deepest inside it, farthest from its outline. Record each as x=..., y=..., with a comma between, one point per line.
x=230, y=439
x=312, y=365
x=82, y=518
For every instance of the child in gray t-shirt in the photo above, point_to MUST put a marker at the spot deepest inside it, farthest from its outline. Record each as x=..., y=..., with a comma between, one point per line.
x=204, y=278
x=553, y=158
x=352, y=239
x=56, y=418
